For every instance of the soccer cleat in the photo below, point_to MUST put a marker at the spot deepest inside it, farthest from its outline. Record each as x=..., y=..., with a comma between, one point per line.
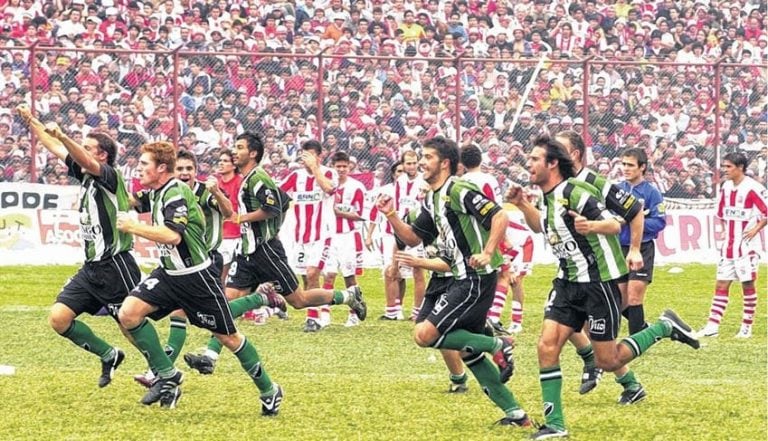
x=357, y=303
x=312, y=325
x=497, y=328
x=515, y=328
x=201, y=363
x=388, y=318
x=744, y=332
x=711, y=329
x=680, y=330
x=256, y=316
x=504, y=359
x=523, y=421
x=146, y=379
x=352, y=320
x=457, y=388
x=270, y=404
x=271, y=297
x=589, y=379
x=170, y=399
x=163, y=387
x=108, y=367
x=546, y=432
x=282, y=315
x=632, y=396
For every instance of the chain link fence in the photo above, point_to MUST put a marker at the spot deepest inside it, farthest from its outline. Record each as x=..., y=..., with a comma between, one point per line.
x=377, y=107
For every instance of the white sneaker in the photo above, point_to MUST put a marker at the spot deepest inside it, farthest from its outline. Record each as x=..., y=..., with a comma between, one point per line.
x=352, y=320
x=515, y=328
x=745, y=331
x=709, y=330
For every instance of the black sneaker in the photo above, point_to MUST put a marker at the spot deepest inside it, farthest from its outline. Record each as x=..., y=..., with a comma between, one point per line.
x=357, y=303
x=201, y=363
x=680, y=330
x=632, y=396
x=504, y=359
x=497, y=328
x=523, y=421
x=312, y=325
x=457, y=388
x=388, y=318
x=162, y=387
x=589, y=379
x=108, y=367
x=270, y=404
x=546, y=432
x=170, y=399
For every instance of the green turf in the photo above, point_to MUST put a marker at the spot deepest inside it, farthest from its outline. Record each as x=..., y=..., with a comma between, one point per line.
x=372, y=382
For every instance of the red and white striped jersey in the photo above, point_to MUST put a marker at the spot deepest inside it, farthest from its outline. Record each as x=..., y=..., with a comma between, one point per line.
x=375, y=215
x=487, y=184
x=517, y=230
x=740, y=207
x=409, y=194
x=312, y=207
x=349, y=198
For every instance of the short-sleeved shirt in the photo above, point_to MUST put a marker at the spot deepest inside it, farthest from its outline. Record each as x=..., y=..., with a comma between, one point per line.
x=259, y=191
x=212, y=212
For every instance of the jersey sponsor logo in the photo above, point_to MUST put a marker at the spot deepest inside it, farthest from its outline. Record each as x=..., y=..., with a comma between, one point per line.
x=308, y=197
x=735, y=213
x=206, y=319
x=165, y=249
x=596, y=326
x=90, y=232
x=270, y=197
x=180, y=215
x=562, y=250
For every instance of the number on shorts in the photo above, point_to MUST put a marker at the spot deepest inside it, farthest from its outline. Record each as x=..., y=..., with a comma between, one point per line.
x=232, y=269
x=301, y=257
x=151, y=283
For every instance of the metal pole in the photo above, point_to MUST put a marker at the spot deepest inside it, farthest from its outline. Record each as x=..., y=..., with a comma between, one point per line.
x=176, y=98
x=33, y=99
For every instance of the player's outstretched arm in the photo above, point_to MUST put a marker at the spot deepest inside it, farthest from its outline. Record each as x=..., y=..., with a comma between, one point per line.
x=79, y=154
x=52, y=144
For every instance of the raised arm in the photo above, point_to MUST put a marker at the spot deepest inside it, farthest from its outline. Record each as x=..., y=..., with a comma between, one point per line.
x=52, y=144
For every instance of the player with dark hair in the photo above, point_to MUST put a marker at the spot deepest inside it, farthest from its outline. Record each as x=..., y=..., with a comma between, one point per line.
x=741, y=207
x=583, y=235
x=470, y=226
x=110, y=271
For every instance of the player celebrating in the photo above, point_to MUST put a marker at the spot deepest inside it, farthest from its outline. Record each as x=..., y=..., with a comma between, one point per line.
x=184, y=280
x=584, y=237
x=344, y=248
x=109, y=271
x=741, y=206
x=471, y=227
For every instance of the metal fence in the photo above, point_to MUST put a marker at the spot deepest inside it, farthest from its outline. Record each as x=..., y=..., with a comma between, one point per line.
x=377, y=107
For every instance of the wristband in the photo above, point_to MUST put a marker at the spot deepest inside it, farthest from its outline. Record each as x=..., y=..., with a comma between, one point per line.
x=390, y=213
x=237, y=219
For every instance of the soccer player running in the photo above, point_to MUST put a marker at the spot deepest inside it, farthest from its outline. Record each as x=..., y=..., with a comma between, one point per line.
x=216, y=207
x=741, y=208
x=109, y=271
x=583, y=235
x=471, y=226
x=634, y=164
x=615, y=200
x=344, y=249
x=185, y=279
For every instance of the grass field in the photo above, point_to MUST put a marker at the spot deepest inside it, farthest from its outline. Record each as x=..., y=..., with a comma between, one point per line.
x=372, y=382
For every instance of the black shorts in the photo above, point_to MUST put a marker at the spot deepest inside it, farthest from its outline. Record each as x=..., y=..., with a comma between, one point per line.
x=267, y=264
x=436, y=287
x=102, y=283
x=217, y=262
x=199, y=294
x=464, y=305
x=648, y=251
x=596, y=303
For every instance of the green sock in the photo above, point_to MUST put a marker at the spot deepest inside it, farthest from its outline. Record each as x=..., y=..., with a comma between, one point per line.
x=640, y=342
x=628, y=381
x=80, y=334
x=176, y=337
x=214, y=345
x=488, y=376
x=588, y=355
x=249, y=360
x=243, y=304
x=339, y=297
x=146, y=339
x=458, y=379
x=551, y=379
x=463, y=340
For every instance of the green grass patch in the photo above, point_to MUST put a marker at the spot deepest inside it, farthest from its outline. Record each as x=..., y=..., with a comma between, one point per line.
x=372, y=382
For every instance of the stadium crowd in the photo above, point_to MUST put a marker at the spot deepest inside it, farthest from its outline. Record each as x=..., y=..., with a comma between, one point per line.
x=376, y=108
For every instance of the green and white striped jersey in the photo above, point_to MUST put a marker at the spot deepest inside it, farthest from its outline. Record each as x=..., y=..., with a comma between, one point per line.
x=259, y=191
x=620, y=202
x=175, y=206
x=459, y=216
x=101, y=198
x=213, y=219
x=590, y=258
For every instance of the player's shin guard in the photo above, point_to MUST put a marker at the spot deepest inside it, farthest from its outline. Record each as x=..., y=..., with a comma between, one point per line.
x=251, y=363
x=176, y=337
x=488, y=376
x=80, y=334
x=551, y=379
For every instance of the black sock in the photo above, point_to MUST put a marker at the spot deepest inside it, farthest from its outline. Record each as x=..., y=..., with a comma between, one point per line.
x=636, y=317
